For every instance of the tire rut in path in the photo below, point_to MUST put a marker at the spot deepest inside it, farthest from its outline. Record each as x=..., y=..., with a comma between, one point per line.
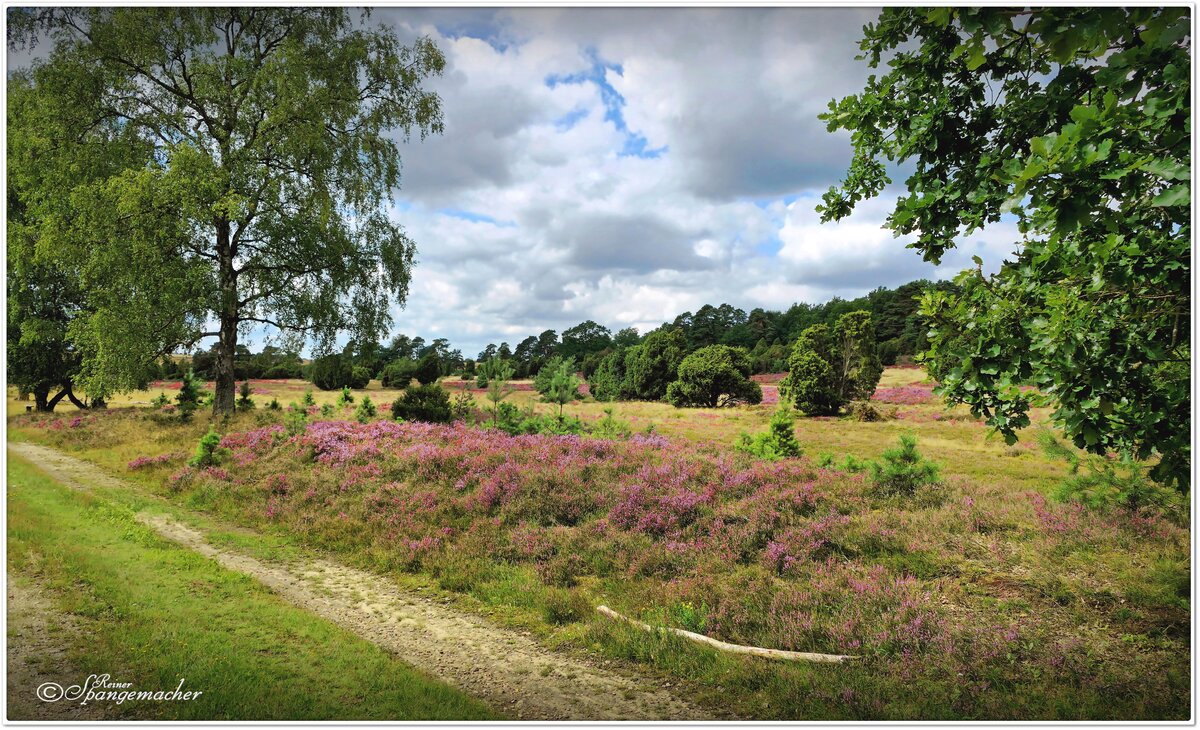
x=505, y=668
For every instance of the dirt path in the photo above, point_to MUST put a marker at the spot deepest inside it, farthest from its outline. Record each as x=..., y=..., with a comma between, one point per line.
x=39, y=641
x=507, y=669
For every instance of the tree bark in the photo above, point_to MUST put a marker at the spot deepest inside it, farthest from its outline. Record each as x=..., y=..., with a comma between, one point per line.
x=223, y=400
x=70, y=393
x=41, y=400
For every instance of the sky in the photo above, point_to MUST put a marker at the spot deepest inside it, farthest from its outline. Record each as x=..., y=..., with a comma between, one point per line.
x=626, y=165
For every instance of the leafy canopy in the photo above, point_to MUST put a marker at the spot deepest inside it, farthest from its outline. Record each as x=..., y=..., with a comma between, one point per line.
x=258, y=151
x=1075, y=122
x=714, y=376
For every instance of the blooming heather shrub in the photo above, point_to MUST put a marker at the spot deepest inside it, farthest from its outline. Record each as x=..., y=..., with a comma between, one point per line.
x=780, y=554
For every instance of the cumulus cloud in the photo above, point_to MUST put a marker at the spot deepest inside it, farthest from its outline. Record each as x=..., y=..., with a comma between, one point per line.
x=627, y=164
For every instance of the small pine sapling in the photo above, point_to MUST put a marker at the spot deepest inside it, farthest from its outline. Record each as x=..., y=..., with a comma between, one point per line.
x=901, y=471
x=296, y=420
x=244, y=401
x=188, y=397
x=778, y=441
x=160, y=401
x=209, y=451
x=345, y=398
x=309, y=401
x=365, y=411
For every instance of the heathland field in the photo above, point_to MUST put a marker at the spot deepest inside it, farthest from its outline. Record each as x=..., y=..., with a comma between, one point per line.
x=978, y=596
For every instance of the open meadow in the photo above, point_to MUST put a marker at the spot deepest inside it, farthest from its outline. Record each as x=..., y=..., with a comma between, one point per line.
x=977, y=597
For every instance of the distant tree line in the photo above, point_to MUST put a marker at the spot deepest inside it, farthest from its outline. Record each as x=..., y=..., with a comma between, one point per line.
x=621, y=365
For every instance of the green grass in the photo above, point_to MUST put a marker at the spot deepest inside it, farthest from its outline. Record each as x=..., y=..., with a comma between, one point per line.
x=181, y=615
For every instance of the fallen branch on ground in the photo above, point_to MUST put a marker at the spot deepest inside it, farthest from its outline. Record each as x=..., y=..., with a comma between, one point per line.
x=803, y=656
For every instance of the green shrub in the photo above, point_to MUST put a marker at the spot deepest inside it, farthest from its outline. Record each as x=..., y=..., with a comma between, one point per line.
x=462, y=406
x=611, y=427
x=327, y=410
x=429, y=403
x=550, y=425
x=429, y=369
x=188, y=396
x=651, y=367
x=714, y=376
x=365, y=411
x=545, y=375
x=345, y=398
x=1103, y=484
x=209, y=451
x=606, y=383
x=274, y=404
x=508, y=417
x=777, y=442
x=830, y=367
x=398, y=374
x=296, y=420
x=902, y=470
x=360, y=377
x=160, y=401
x=563, y=385
x=244, y=401
x=331, y=372
x=308, y=399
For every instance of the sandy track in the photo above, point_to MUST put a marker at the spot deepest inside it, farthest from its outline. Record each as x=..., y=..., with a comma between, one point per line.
x=505, y=668
x=39, y=641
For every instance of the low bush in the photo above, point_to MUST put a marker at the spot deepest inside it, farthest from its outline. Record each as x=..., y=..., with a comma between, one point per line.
x=902, y=470
x=208, y=451
x=777, y=442
x=867, y=412
x=365, y=411
x=429, y=403
x=360, y=377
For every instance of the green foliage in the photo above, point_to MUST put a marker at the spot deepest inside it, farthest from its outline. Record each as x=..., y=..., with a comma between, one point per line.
x=611, y=427
x=160, y=401
x=497, y=373
x=345, y=398
x=606, y=383
x=831, y=367
x=1076, y=121
x=690, y=617
x=546, y=424
x=712, y=377
x=274, y=404
x=244, y=401
x=331, y=372
x=563, y=385
x=295, y=420
x=810, y=384
x=462, y=407
x=208, y=451
x=777, y=442
x=902, y=470
x=360, y=377
x=188, y=396
x=1103, y=484
x=428, y=369
x=429, y=403
x=507, y=417
x=541, y=381
x=365, y=411
x=327, y=410
x=399, y=374
x=308, y=400
x=651, y=366
x=252, y=154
